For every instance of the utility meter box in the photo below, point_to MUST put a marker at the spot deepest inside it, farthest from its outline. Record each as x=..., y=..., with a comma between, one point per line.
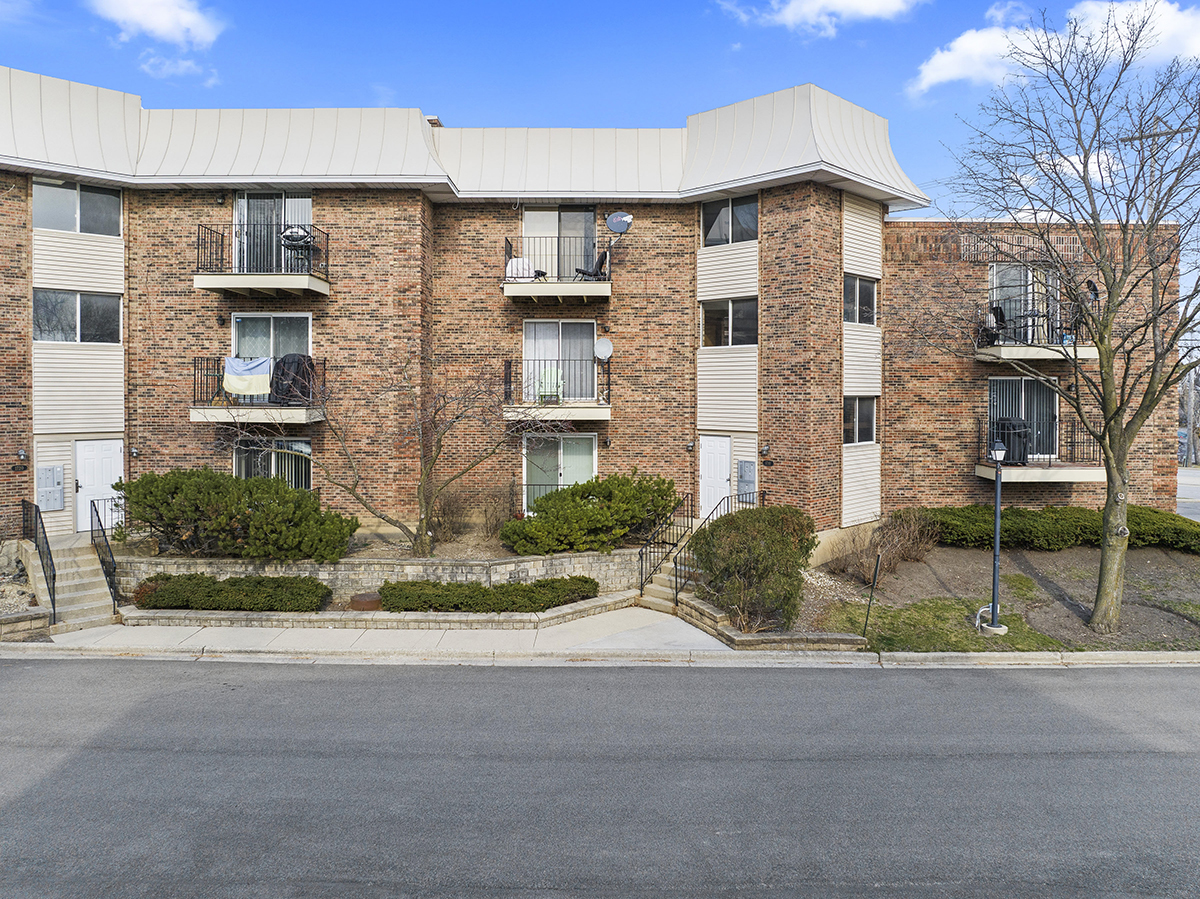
x=50, y=488
x=747, y=476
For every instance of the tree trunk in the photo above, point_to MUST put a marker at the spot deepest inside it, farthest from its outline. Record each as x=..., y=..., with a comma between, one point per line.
x=1106, y=614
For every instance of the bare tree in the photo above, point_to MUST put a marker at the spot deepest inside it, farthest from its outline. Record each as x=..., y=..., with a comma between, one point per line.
x=1085, y=165
x=446, y=422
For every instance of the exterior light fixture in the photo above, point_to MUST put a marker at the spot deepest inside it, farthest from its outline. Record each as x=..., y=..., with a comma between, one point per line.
x=608, y=441
x=22, y=455
x=220, y=321
x=765, y=451
x=691, y=445
x=133, y=451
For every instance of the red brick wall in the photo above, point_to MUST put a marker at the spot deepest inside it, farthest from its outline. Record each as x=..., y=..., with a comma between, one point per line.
x=935, y=392
x=800, y=348
x=16, y=372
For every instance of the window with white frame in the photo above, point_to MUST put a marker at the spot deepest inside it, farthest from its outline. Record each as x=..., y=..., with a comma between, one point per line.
x=288, y=460
x=552, y=462
x=1025, y=299
x=275, y=336
x=731, y=322
x=65, y=316
x=559, y=363
x=858, y=300
x=1023, y=414
x=730, y=221
x=559, y=241
x=858, y=419
x=84, y=208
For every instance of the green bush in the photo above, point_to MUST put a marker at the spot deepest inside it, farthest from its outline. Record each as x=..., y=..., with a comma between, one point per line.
x=1060, y=527
x=429, y=596
x=754, y=562
x=236, y=594
x=206, y=513
x=599, y=514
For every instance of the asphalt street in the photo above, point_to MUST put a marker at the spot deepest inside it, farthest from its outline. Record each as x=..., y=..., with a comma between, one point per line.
x=168, y=779
x=1188, y=493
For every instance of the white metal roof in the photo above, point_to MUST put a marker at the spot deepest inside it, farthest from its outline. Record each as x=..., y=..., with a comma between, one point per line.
x=56, y=127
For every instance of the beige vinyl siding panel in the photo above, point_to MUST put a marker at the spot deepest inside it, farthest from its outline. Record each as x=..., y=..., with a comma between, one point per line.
x=727, y=272
x=78, y=387
x=727, y=389
x=58, y=452
x=745, y=446
x=862, y=236
x=92, y=263
x=862, y=361
x=861, y=483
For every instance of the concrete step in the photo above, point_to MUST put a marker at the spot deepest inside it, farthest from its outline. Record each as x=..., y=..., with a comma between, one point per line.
x=78, y=624
x=666, y=606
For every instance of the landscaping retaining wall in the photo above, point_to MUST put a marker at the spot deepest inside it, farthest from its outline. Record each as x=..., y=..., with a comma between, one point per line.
x=614, y=571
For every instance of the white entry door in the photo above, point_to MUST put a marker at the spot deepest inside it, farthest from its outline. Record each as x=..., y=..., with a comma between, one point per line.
x=714, y=472
x=98, y=465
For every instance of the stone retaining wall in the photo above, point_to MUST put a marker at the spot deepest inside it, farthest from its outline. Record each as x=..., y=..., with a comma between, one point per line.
x=614, y=571
x=714, y=622
x=20, y=625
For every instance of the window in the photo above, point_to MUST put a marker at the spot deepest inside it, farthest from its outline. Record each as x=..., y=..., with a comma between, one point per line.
x=858, y=300
x=730, y=221
x=560, y=239
x=256, y=336
x=731, y=322
x=68, y=317
x=260, y=218
x=559, y=361
x=67, y=206
x=858, y=419
x=1028, y=301
x=554, y=462
x=1023, y=414
x=289, y=460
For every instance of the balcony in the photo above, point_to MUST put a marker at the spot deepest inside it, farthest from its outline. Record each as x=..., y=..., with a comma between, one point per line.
x=556, y=268
x=262, y=260
x=1040, y=451
x=296, y=393
x=1039, y=328
x=558, y=389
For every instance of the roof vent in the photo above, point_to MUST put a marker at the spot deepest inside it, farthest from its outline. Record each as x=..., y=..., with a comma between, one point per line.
x=434, y=121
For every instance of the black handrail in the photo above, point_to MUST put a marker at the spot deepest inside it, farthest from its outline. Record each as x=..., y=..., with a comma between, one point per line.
x=685, y=560
x=272, y=249
x=1041, y=441
x=33, y=529
x=669, y=534
x=530, y=381
x=306, y=388
x=103, y=549
x=556, y=259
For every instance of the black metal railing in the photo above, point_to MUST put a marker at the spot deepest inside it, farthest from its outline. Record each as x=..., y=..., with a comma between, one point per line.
x=33, y=529
x=665, y=539
x=556, y=381
x=295, y=381
x=263, y=250
x=1043, y=441
x=1037, y=321
x=686, y=570
x=100, y=543
x=556, y=259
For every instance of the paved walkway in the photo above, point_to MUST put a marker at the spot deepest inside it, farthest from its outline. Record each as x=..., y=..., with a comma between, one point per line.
x=1188, y=503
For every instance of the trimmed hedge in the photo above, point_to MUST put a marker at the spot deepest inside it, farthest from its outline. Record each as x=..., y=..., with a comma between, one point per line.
x=1056, y=528
x=754, y=562
x=235, y=594
x=599, y=514
x=429, y=596
x=207, y=513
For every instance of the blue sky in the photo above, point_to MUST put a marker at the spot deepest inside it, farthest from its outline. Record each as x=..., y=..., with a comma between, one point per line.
x=919, y=63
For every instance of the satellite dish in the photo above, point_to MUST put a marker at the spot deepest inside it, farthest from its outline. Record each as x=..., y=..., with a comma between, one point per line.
x=602, y=349
x=619, y=222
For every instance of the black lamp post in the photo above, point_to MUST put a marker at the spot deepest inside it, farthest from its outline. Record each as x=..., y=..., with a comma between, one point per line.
x=997, y=453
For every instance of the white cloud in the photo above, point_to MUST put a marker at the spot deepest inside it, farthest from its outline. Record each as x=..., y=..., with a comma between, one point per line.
x=820, y=16
x=977, y=56
x=160, y=67
x=179, y=22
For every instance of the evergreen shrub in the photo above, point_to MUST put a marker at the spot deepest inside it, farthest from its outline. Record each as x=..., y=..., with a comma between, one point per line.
x=430, y=596
x=235, y=594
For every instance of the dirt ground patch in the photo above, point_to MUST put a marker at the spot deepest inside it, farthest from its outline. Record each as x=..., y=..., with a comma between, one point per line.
x=1053, y=591
x=467, y=548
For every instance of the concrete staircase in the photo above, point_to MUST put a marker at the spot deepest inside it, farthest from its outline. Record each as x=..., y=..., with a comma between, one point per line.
x=659, y=594
x=81, y=595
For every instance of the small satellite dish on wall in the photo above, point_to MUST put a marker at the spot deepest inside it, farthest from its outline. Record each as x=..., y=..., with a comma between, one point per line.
x=602, y=349
x=619, y=222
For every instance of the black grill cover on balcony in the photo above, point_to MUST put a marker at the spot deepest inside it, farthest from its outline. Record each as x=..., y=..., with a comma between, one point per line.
x=293, y=380
x=1015, y=434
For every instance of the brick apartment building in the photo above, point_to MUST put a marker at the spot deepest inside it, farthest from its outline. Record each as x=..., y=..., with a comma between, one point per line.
x=734, y=337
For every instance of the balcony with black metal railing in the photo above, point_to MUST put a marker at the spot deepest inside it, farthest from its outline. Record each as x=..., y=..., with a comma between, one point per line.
x=262, y=260
x=1051, y=449
x=296, y=393
x=559, y=267
x=1035, y=327
x=558, y=389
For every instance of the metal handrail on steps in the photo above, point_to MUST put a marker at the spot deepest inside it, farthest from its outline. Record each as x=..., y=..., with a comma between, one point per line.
x=685, y=561
x=104, y=551
x=664, y=539
x=33, y=529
